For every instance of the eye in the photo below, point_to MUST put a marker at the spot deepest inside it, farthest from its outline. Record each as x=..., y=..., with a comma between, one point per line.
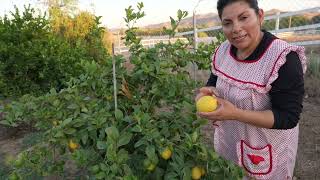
x=243, y=18
x=226, y=23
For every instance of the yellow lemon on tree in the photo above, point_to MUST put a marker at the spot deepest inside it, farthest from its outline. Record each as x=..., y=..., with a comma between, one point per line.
x=55, y=123
x=206, y=104
x=166, y=153
x=13, y=176
x=196, y=173
x=151, y=167
x=203, y=171
x=72, y=145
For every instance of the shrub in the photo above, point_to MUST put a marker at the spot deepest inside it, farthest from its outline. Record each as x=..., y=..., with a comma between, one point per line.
x=33, y=59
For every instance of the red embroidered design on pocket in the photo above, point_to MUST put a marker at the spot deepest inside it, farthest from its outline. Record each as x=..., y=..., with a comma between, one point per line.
x=255, y=159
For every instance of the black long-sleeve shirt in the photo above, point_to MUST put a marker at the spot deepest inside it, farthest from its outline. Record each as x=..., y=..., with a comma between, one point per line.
x=287, y=91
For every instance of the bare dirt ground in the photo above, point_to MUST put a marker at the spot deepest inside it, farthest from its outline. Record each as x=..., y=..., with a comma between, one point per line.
x=308, y=160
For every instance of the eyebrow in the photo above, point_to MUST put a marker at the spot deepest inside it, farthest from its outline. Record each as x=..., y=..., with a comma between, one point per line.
x=238, y=16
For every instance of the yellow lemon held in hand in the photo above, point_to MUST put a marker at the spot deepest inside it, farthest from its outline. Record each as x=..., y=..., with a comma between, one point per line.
x=196, y=173
x=206, y=104
x=166, y=153
x=73, y=146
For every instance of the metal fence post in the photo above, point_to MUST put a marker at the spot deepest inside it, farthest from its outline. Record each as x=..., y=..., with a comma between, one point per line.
x=277, y=23
x=195, y=31
x=114, y=79
x=195, y=41
x=119, y=42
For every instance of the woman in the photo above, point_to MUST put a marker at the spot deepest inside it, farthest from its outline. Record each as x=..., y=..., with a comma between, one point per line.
x=258, y=81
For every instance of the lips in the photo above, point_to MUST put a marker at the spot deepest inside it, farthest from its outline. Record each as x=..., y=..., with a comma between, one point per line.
x=239, y=38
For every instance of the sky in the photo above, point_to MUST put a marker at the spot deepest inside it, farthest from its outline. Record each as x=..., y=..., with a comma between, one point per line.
x=112, y=11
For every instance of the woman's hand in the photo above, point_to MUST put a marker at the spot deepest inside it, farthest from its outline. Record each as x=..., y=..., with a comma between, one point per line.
x=225, y=111
x=206, y=91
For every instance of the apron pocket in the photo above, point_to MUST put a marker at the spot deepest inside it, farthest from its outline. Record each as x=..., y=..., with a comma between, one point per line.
x=257, y=161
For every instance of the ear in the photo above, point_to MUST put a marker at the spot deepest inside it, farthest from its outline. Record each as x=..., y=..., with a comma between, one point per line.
x=261, y=16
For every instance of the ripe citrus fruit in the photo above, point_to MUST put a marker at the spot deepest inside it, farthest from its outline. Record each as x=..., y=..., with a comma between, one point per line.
x=151, y=167
x=55, y=123
x=196, y=173
x=166, y=153
x=206, y=104
x=13, y=176
x=203, y=171
x=72, y=145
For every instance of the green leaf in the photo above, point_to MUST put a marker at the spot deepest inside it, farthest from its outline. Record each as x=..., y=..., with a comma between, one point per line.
x=124, y=139
x=140, y=143
x=171, y=176
x=73, y=106
x=70, y=131
x=118, y=114
x=140, y=5
x=100, y=175
x=112, y=132
x=180, y=14
x=59, y=134
x=150, y=152
x=130, y=177
x=66, y=122
x=194, y=137
x=173, y=22
x=127, y=119
x=122, y=156
x=84, y=138
x=56, y=103
x=101, y=145
x=53, y=91
x=137, y=129
x=87, y=98
x=111, y=152
x=186, y=173
x=103, y=167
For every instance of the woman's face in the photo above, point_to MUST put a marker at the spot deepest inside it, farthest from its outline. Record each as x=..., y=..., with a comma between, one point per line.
x=241, y=25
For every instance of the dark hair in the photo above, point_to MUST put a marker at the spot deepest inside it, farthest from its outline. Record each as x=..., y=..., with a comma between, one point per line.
x=221, y=4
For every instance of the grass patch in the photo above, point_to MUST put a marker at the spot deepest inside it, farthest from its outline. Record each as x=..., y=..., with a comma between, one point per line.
x=312, y=78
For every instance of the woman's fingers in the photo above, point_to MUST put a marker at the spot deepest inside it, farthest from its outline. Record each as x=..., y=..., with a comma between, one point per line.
x=199, y=95
x=210, y=91
x=205, y=91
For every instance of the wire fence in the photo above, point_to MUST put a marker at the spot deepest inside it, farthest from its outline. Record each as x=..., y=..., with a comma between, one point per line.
x=294, y=21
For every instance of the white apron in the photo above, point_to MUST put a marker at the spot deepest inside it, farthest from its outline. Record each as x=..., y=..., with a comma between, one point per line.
x=263, y=153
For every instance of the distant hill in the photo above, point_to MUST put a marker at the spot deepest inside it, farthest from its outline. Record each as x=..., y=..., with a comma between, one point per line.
x=208, y=19
x=205, y=20
x=211, y=19
x=272, y=12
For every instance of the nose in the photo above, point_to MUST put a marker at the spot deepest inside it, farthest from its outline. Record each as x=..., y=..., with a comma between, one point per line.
x=236, y=29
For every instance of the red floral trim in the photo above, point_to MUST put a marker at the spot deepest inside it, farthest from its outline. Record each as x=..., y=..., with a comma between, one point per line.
x=253, y=60
x=262, y=88
x=230, y=77
x=281, y=60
